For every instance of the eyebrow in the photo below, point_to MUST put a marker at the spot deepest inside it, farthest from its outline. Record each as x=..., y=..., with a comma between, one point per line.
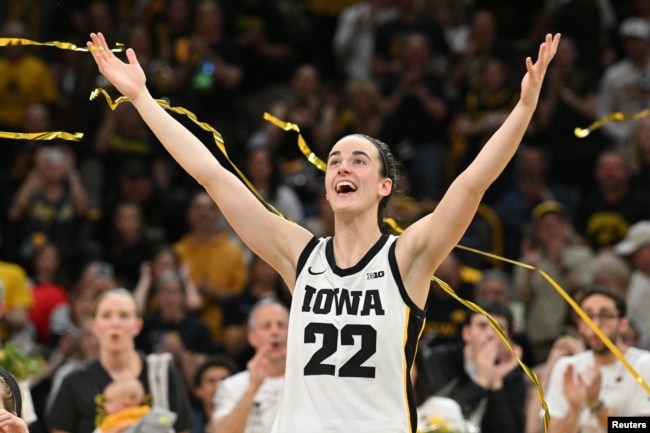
x=355, y=152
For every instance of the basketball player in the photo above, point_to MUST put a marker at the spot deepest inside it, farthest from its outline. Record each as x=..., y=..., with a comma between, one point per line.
x=358, y=296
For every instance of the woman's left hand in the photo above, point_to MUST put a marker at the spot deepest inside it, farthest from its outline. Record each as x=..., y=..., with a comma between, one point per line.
x=10, y=423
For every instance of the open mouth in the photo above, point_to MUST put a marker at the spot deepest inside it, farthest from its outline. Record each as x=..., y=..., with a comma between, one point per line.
x=345, y=187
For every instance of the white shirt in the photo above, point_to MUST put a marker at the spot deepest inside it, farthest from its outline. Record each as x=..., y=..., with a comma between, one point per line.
x=638, y=302
x=266, y=402
x=354, y=37
x=620, y=392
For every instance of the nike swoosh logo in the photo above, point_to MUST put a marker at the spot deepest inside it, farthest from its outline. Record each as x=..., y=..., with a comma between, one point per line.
x=315, y=273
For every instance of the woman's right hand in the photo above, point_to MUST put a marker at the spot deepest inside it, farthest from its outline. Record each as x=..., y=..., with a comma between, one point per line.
x=10, y=423
x=128, y=78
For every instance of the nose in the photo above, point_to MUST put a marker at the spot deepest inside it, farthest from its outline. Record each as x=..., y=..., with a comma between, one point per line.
x=343, y=167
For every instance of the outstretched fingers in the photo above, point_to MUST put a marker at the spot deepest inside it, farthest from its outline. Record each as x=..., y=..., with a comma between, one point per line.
x=99, y=48
x=547, y=49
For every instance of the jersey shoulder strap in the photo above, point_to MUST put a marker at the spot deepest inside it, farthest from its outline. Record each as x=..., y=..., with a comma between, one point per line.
x=158, y=375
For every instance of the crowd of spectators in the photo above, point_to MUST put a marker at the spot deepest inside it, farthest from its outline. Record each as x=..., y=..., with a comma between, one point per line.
x=432, y=78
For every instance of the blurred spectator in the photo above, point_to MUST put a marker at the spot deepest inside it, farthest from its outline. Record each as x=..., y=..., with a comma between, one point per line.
x=588, y=23
x=481, y=374
x=50, y=206
x=216, y=74
x=485, y=105
x=609, y=210
x=610, y=270
x=259, y=32
x=635, y=247
x=48, y=293
x=305, y=105
x=552, y=247
x=322, y=18
x=18, y=155
x=566, y=345
x=172, y=27
x=625, y=85
x=568, y=101
x=73, y=350
x=74, y=407
x=445, y=315
x=585, y=389
x=130, y=244
x=68, y=319
x=412, y=19
x=452, y=17
x=17, y=299
x=163, y=260
x=124, y=137
x=249, y=400
x=215, y=262
x=171, y=328
x=314, y=108
x=522, y=23
x=261, y=168
x=639, y=156
x=418, y=109
x=353, y=42
x=163, y=210
x=531, y=186
x=207, y=378
x=496, y=285
x=264, y=282
x=24, y=79
x=482, y=44
x=363, y=109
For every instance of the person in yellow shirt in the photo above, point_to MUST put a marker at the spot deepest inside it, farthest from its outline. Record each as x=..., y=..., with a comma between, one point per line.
x=15, y=299
x=24, y=79
x=216, y=263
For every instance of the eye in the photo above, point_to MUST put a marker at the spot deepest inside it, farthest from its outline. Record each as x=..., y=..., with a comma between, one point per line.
x=359, y=161
x=333, y=161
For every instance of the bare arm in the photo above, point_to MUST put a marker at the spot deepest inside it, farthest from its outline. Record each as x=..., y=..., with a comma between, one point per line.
x=424, y=244
x=235, y=421
x=277, y=241
x=568, y=424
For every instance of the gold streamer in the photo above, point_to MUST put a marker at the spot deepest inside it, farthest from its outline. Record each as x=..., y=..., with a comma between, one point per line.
x=42, y=135
x=218, y=139
x=495, y=325
x=288, y=126
x=5, y=42
x=613, y=117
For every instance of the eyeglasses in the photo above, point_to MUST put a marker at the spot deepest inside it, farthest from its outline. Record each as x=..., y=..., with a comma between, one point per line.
x=603, y=316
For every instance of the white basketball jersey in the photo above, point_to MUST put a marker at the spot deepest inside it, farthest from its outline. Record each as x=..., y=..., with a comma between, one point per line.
x=353, y=336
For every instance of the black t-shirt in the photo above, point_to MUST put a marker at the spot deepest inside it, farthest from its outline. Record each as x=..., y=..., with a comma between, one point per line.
x=193, y=332
x=78, y=405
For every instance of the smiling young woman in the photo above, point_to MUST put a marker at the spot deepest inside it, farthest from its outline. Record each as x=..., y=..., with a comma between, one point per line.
x=353, y=328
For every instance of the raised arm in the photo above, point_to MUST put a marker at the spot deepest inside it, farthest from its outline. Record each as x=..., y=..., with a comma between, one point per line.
x=428, y=241
x=277, y=241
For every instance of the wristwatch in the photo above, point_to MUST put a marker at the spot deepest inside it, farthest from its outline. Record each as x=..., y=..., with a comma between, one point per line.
x=598, y=406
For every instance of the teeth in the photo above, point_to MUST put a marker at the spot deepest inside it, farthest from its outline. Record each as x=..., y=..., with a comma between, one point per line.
x=345, y=186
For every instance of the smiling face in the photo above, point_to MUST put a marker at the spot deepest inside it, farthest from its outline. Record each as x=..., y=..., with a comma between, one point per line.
x=353, y=180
